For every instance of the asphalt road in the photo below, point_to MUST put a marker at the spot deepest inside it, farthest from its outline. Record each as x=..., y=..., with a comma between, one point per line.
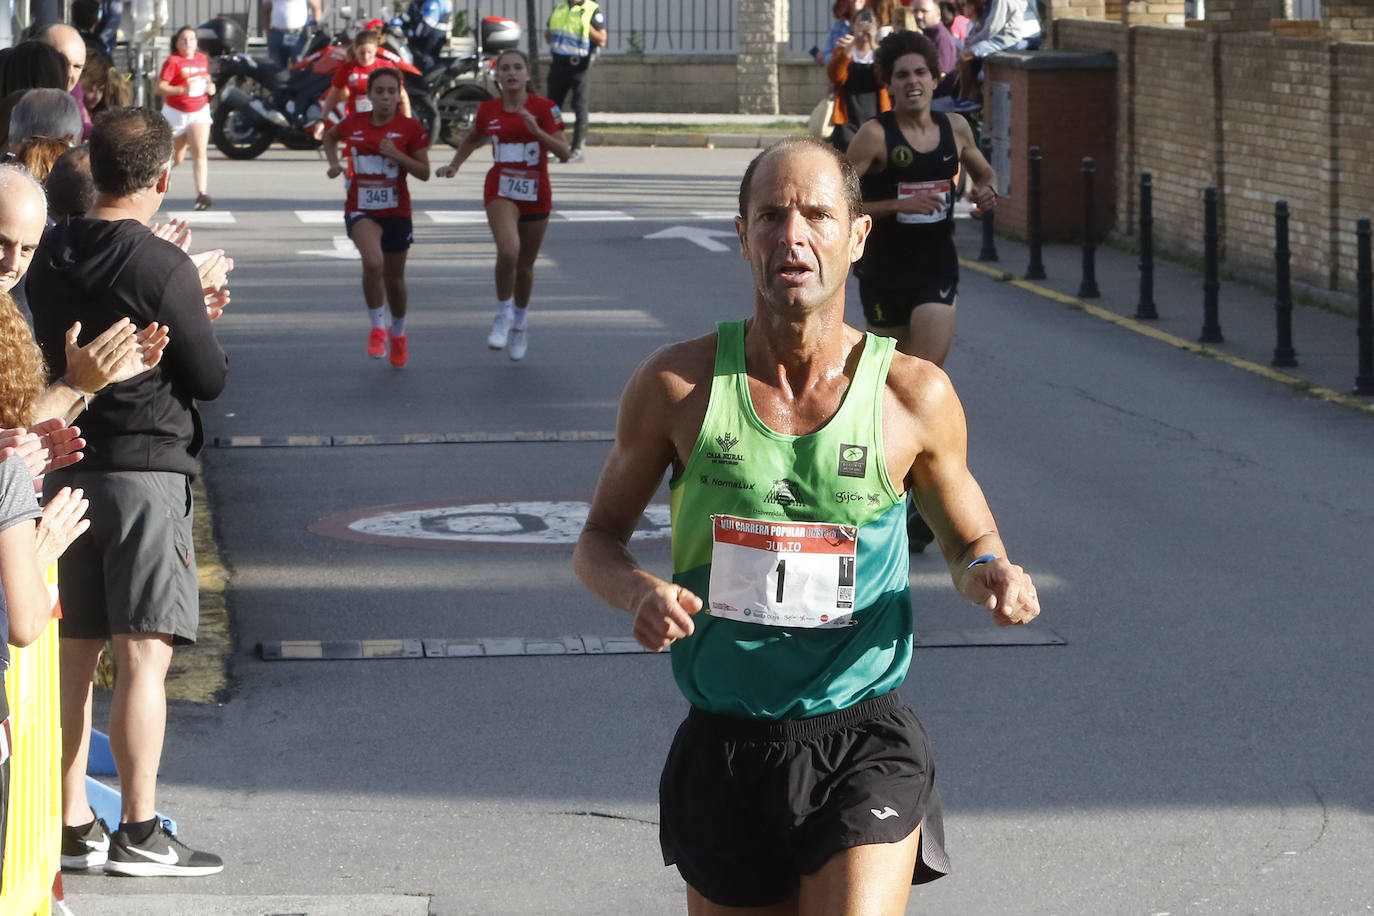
x=1197, y=743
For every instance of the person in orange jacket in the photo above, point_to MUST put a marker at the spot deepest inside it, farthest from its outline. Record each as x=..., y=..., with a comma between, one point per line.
x=859, y=95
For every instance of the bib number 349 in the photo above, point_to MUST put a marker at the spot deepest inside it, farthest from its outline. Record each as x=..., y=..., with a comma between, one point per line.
x=783, y=574
x=377, y=196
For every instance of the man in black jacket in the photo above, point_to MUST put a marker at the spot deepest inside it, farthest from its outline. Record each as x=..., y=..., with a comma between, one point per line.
x=132, y=578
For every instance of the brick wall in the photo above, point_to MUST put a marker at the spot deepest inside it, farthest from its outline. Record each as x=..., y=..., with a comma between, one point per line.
x=801, y=84
x=1175, y=129
x=1077, y=9
x=1276, y=130
x=673, y=84
x=1154, y=12
x=1260, y=117
x=1353, y=142
x=1349, y=21
x=1242, y=15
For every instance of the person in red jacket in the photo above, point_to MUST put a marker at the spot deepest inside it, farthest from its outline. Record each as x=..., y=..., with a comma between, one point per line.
x=186, y=87
x=384, y=146
x=524, y=129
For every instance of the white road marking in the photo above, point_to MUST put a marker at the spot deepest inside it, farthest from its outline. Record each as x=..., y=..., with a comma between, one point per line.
x=593, y=216
x=456, y=216
x=319, y=217
x=343, y=250
x=697, y=235
x=201, y=217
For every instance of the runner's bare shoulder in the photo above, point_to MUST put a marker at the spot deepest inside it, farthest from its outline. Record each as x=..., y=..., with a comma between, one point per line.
x=679, y=370
x=919, y=391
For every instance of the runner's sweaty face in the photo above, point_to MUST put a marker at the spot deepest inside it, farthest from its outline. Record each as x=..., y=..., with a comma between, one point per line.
x=799, y=236
x=912, y=85
x=385, y=96
x=512, y=73
x=365, y=53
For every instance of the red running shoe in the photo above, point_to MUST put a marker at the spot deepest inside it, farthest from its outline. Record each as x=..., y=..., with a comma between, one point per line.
x=398, y=351
x=376, y=343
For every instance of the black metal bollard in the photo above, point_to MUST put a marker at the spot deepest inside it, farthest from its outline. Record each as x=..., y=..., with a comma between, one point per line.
x=1284, y=354
x=1211, y=326
x=1036, y=269
x=1145, y=308
x=1364, y=284
x=1087, y=288
x=989, y=252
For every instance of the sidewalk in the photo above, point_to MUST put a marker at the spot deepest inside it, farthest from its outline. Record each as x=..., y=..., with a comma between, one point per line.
x=685, y=130
x=1323, y=336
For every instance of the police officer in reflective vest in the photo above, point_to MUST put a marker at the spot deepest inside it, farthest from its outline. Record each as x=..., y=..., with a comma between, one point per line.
x=576, y=29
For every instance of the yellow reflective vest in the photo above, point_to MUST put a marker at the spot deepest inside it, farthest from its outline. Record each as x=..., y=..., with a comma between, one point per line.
x=570, y=27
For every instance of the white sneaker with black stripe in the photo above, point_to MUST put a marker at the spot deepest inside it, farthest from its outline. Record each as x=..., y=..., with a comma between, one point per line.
x=161, y=855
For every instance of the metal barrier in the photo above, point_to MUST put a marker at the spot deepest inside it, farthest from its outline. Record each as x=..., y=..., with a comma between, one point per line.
x=1145, y=308
x=1284, y=354
x=1364, y=282
x=635, y=26
x=1087, y=289
x=34, y=833
x=1035, y=270
x=1211, y=286
x=989, y=250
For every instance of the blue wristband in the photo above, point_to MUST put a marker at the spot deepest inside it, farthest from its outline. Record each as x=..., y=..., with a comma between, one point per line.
x=985, y=558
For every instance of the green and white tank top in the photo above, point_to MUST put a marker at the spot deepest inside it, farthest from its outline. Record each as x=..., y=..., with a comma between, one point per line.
x=797, y=545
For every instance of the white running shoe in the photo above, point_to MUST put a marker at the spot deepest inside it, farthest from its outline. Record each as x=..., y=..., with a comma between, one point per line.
x=500, y=329
x=519, y=340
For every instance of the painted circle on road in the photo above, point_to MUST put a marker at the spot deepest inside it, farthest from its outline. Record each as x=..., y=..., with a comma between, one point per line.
x=459, y=526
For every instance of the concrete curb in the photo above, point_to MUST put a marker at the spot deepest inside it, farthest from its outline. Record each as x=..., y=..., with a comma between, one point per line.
x=680, y=139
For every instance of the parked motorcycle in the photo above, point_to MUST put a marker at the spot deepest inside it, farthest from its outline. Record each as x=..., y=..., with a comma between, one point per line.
x=460, y=84
x=449, y=88
x=257, y=101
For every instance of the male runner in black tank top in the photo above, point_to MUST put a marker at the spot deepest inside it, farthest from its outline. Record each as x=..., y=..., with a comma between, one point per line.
x=908, y=159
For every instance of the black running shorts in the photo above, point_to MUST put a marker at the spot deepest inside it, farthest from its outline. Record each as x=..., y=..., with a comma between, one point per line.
x=748, y=807
x=397, y=231
x=931, y=275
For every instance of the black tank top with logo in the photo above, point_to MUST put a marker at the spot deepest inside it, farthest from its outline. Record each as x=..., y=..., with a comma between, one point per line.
x=891, y=244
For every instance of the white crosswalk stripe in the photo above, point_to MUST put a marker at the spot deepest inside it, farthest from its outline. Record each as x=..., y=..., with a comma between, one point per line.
x=441, y=217
x=593, y=216
x=447, y=217
x=202, y=217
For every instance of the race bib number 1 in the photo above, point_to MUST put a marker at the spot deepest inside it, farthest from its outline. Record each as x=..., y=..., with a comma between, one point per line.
x=783, y=574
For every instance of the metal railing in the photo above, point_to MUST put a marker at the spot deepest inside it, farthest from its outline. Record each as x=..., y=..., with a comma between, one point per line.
x=635, y=26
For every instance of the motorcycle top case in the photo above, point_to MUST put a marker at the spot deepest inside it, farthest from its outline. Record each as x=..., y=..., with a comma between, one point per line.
x=500, y=33
x=221, y=35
